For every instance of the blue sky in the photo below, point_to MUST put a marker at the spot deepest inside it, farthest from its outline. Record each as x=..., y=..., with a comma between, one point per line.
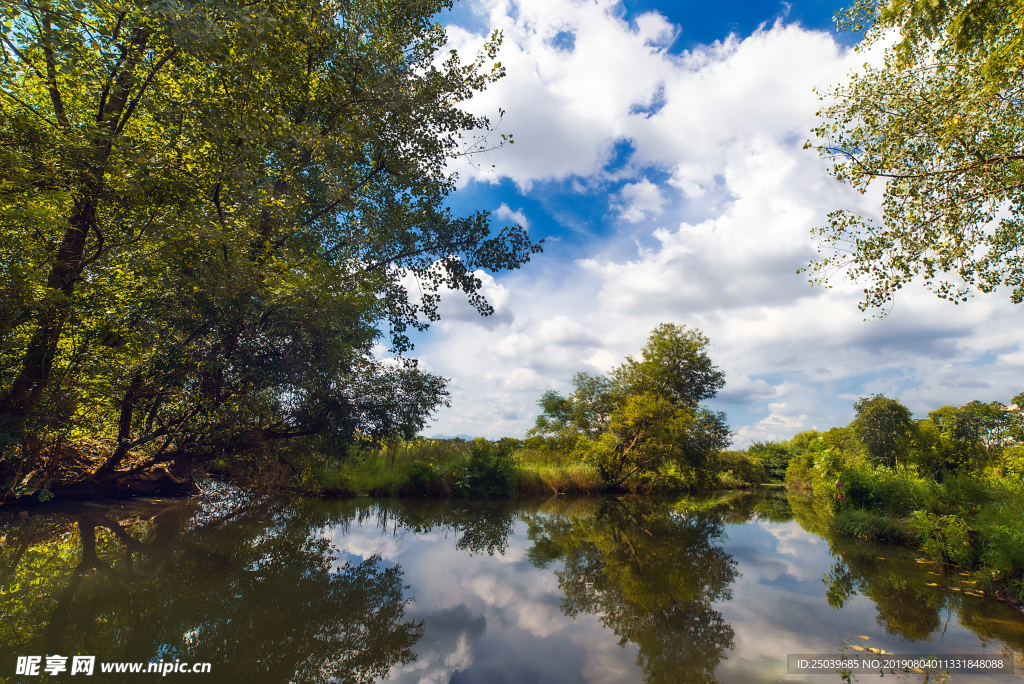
x=659, y=151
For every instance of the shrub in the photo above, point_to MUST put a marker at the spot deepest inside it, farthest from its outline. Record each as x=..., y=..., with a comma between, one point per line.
x=491, y=470
x=800, y=472
x=946, y=537
x=774, y=456
x=882, y=489
x=739, y=469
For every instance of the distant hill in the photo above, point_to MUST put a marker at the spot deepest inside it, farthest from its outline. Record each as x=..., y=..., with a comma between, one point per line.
x=468, y=438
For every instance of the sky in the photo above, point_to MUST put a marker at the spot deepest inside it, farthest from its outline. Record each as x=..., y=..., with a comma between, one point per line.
x=659, y=152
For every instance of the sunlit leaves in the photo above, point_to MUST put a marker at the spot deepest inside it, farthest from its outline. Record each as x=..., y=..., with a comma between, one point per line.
x=213, y=212
x=940, y=125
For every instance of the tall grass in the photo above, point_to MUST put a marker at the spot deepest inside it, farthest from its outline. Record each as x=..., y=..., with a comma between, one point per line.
x=544, y=472
x=972, y=520
x=446, y=468
x=451, y=468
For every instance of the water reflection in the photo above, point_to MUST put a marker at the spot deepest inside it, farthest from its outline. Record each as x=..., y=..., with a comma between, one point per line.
x=651, y=575
x=698, y=589
x=914, y=600
x=251, y=591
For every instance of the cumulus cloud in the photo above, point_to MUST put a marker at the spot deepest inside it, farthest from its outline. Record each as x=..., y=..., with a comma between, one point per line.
x=517, y=216
x=699, y=158
x=638, y=200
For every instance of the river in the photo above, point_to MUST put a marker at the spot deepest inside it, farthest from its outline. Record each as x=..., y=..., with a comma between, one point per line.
x=718, y=588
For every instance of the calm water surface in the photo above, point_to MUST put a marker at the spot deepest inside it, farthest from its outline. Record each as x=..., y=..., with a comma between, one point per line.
x=698, y=589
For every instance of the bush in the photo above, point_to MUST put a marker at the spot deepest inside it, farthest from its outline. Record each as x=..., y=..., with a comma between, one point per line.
x=491, y=470
x=884, y=490
x=1011, y=463
x=423, y=477
x=738, y=469
x=946, y=537
x=774, y=456
x=800, y=472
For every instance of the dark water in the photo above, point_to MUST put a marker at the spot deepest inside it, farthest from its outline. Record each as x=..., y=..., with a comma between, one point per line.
x=569, y=590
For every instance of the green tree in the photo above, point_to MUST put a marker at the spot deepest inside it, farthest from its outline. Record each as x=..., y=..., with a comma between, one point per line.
x=209, y=215
x=674, y=365
x=973, y=432
x=593, y=400
x=774, y=456
x=883, y=426
x=940, y=123
x=645, y=416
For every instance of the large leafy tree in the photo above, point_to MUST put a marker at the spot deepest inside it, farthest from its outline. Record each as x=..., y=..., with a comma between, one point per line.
x=211, y=213
x=883, y=425
x=940, y=124
x=645, y=416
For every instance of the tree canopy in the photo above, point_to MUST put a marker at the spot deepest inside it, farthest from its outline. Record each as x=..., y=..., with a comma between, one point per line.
x=940, y=124
x=644, y=416
x=883, y=426
x=211, y=214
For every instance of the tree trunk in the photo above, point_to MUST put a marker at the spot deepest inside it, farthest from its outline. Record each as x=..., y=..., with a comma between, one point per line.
x=42, y=348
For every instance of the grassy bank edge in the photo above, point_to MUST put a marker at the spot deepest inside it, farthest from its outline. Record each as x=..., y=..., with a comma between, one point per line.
x=973, y=522
x=456, y=468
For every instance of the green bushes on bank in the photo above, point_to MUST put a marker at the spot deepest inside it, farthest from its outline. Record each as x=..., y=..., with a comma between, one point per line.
x=951, y=486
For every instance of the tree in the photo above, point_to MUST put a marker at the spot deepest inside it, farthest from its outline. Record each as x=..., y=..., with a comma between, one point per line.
x=940, y=123
x=209, y=216
x=972, y=432
x=645, y=415
x=883, y=426
x=775, y=456
x=674, y=364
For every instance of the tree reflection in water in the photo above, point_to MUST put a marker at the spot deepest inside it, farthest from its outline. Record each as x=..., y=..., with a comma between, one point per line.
x=651, y=575
x=254, y=592
x=258, y=590
x=900, y=587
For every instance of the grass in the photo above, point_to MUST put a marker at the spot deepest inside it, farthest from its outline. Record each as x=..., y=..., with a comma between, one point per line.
x=441, y=468
x=448, y=468
x=544, y=473
x=971, y=520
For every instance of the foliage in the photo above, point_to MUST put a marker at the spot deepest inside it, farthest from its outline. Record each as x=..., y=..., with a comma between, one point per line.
x=739, y=469
x=843, y=440
x=674, y=364
x=643, y=421
x=209, y=217
x=491, y=470
x=940, y=123
x=868, y=525
x=968, y=515
x=883, y=426
x=774, y=456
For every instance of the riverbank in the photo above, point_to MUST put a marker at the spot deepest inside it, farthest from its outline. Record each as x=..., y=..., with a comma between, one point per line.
x=507, y=468
x=973, y=522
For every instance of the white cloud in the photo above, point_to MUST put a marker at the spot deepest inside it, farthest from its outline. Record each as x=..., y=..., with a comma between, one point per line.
x=636, y=200
x=505, y=213
x=715, y=158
